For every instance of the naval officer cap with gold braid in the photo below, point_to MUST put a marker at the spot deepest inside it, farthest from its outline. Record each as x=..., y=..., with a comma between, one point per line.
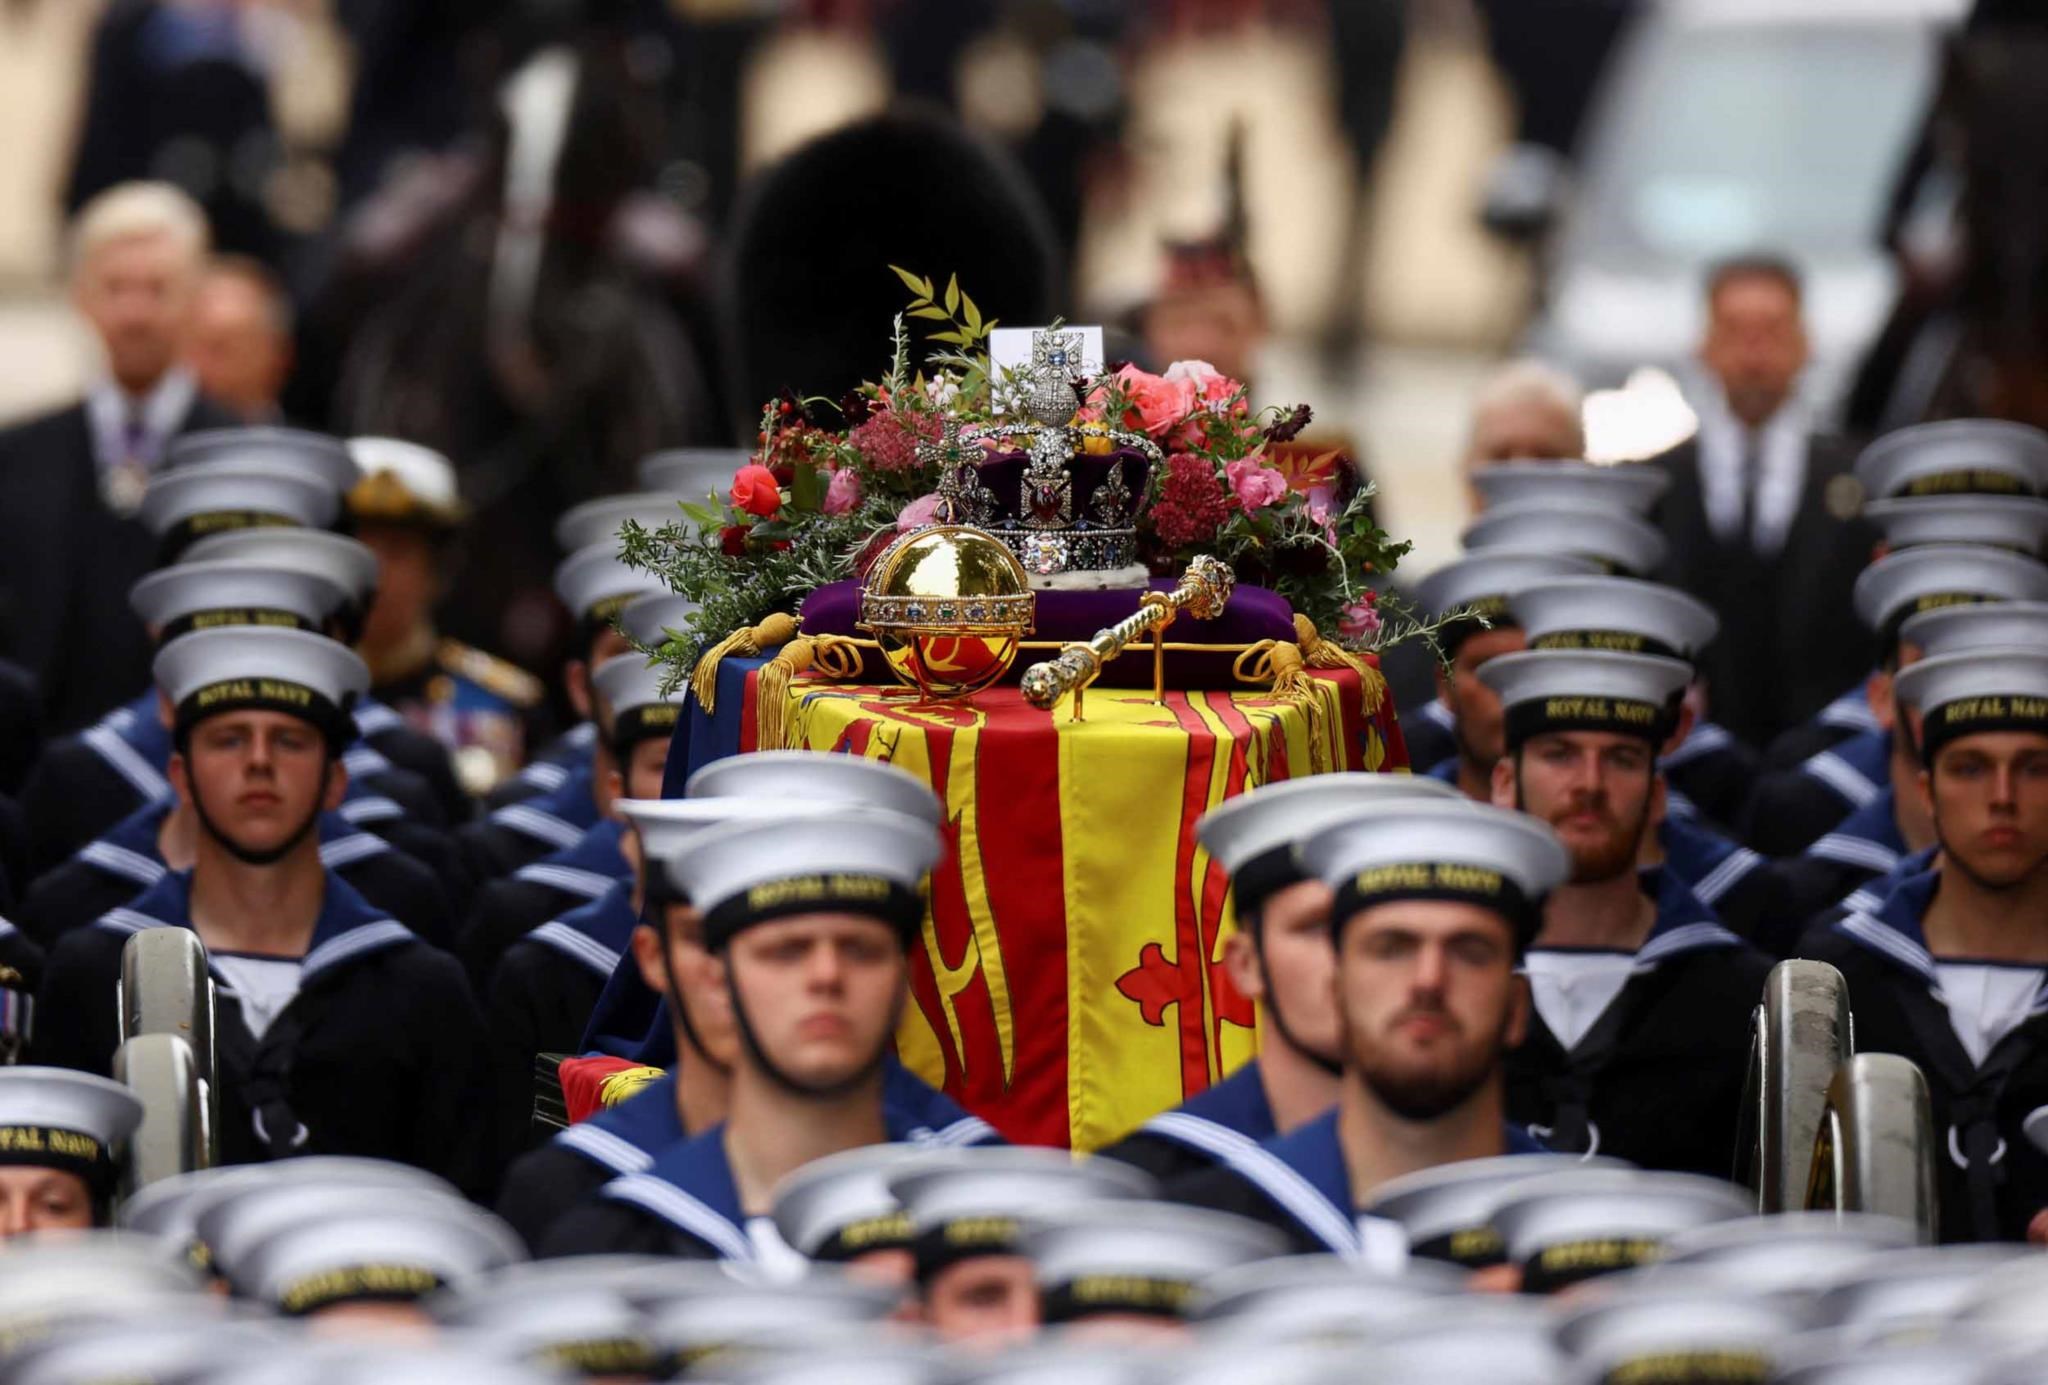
x=2015, y=522
x=1130, y=1258
x=865, y=861
x=1487, y=583
x=839, y=1208
x=181, y=507
x=1612, y=537
x=1553, y=690
x=195, y=596
x=631, y=706
x=1901, y=585
x=1621, y=614
x=256, y=668
x=1960, y=456
x=967, y=1203
x=595, y=585
x=73, y=1122
x=1472, y=853
x=404, y=484
x=1972, y=693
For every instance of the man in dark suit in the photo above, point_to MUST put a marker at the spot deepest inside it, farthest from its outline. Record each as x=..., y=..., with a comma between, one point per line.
x=1761, y=515
x=70, y=480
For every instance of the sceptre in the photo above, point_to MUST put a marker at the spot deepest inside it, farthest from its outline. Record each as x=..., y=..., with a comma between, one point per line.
x=1203, y=592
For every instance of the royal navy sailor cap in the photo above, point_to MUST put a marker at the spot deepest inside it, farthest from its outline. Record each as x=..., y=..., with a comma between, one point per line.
x=1785, y=1252
x=1586, y=690
x=595, y=585
x=973, y=1202
x=311, y=454
x=257, y=667
x=170, y=1209
x=1682, y=1332
x=1575, y=1224
x=1497, y=858
x=386, y=1249
x=1622, y=614
x=169, y=1340
x=591, y=1329
x=1447, y=1210
x=694, y=473
x=1905, y=583
x=60, y=1119
x=1961, y=629
x=806, y=775
x=1489, y=580
x=1908, y=1293
x=691, y=1326
x=1956, y=1356
x=648, y=619
x=181, y=507
x=233, y=1224
x=88, y=1275
x=1240, y=830
x=872, y=862
x=211, y=595
x=349, y=564
x=2015, y=522
x=599, y=521
x=629, y=690
x=1490, y=1338
x=1635, y=489
x=1311, y=1294
x=665, y=825
x=1621, y=541
x=840, y=1207
x=403, y=483
x=1145, y=1258
x=1961, y=456
x=1983, y=690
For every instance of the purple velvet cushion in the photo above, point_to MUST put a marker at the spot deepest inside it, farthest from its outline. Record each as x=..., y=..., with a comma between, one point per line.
x=1254, y=614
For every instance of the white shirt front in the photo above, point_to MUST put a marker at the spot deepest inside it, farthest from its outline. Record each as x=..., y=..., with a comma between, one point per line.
x=1987, y=1001
x=1573, y=988
x=261, y=986
x=1779, y=449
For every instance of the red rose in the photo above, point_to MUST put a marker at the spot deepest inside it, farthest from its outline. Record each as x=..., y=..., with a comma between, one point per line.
x=732, y=540
x=754, y=490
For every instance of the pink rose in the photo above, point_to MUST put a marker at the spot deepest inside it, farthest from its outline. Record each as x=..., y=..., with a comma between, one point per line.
x=754, y=490
x=842, y=493
x=1160, y=404
x=1255, y=486
x=918, y=513
x=1361, y=620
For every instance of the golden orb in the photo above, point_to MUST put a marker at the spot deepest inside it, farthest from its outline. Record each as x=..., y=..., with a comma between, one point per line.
x=948, y=603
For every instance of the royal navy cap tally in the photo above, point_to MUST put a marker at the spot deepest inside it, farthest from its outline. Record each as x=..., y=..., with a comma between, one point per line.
x=1963, y=456
x=1928, y=578
x=599, y=521
x=59, y=1119
x=404, y=483
x=1576, y=1224
x=871, y=863
x=665, y=825
x=231, y=1225
x=804, y=775
x=1572, y=484
x=1447, y=1210
x=1961, y=629
x=378, y=1253
x=1984, y=690
x=1681, y=1334
x=840, y=1208
x=1621, y=541
x=195, y=596
x=348, y=563
x=1488, y=581
x=694, y=473
x=1621, y=614
x=596, y=586
x=1146, y=1258
x=181, y=507
x=256, y=668
x=630, y=689
x=648, y=619
x=2015, y=522
x=324, y=458
x=1554, y=690
x=1471, y=852
x=967, y=1203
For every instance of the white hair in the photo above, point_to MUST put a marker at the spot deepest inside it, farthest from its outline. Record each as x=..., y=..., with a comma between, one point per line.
x=128, y=211
x=1528, y=382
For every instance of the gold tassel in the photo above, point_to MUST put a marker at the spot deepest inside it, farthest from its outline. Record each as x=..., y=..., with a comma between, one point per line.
x=1282, y=666
x=1322, y=653
x=832, y=655
x=746, y=642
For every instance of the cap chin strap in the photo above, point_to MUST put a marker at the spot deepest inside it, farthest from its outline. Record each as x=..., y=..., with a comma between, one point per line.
x=651, y=915
x=1273, y=1012
x=816, y=1091
x=249, y=856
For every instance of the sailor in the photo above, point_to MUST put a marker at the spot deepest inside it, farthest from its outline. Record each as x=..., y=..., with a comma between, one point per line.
x=595, y=586
x=967, y=1213
x=408, y=510
x=61, y=1143
x=1793, y=808
x=1618, y=540
x=1950, y=966
x=812, y=938
x=683, y=995
x=1125, y=1270
x=840, y=1210
x=580, y=874
x=1434, y=904
x=1279, y=958
x=1640, y=1033
x=1456, y=736
x=340, y=1031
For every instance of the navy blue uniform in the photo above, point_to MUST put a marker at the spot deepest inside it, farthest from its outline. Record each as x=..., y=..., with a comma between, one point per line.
x=1203, y=1131
x=507, y=909
x=1794, y=808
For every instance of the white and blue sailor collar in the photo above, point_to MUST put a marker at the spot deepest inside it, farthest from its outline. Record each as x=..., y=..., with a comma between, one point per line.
x=1888, y=923
x=558, y=817
x=128, y=850
x=1868, y=838
x=1849, y=712
x=594, y=935
x=589, y=866
x=1704, y=859
x=1683, y=923
x=347, y=929
x=1229, y=1117
x=1855, y=770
